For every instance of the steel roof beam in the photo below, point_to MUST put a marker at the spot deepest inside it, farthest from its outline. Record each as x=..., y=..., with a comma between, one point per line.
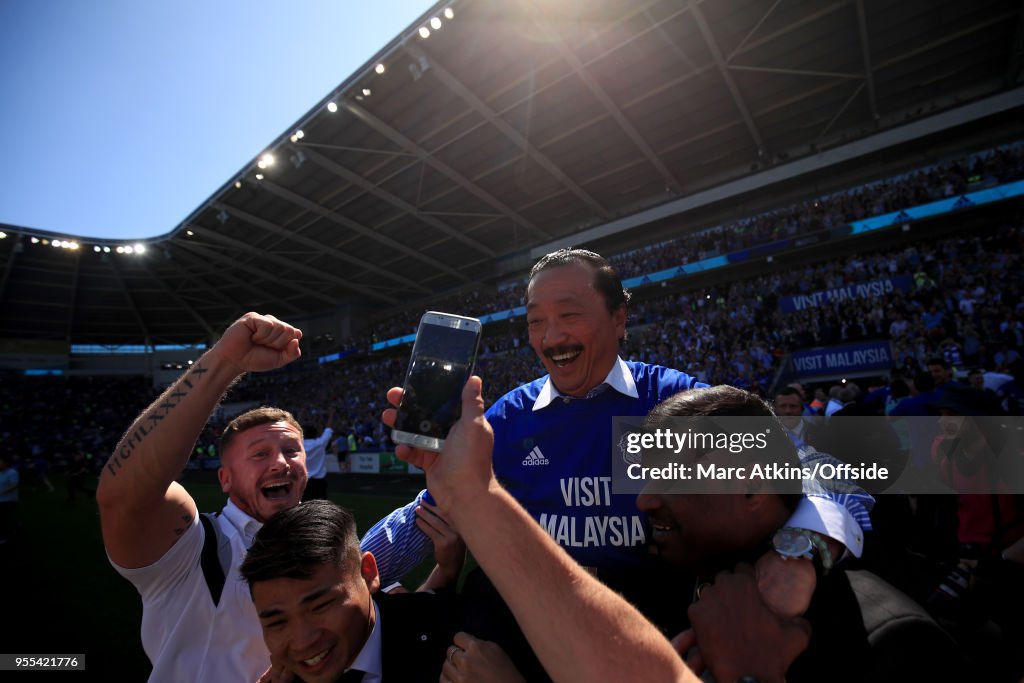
x=439, y=166
x=865, y=48
x=366, y=232
x=736, y=50
x=635, y=9
x=610, y=106
x=795, y=72
x=290, y=235
x=212, y=255
x=723, y=69
x=131, y=302
x=831, y=122
x=396, y=201
x=181, y=302
x=289, y=263
x=948, y=38
x=482, y=108
x=74, y=296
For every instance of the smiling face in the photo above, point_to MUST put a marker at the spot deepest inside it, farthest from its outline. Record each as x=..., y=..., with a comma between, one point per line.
x=711, y=522
x=263, y=469
x=316, y=626
x=701, y=531
x=571, y=328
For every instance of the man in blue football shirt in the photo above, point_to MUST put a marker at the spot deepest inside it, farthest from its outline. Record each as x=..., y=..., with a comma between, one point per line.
x=553, y=435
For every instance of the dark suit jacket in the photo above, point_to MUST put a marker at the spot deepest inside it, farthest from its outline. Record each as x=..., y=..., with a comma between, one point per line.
x=416, y=630
x=864, y=630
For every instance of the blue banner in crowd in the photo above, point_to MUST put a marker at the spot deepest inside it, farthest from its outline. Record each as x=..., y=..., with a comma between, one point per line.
x=838, y=360
x=872, y=289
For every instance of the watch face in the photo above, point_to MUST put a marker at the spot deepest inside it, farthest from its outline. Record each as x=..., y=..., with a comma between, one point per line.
x=791, y=544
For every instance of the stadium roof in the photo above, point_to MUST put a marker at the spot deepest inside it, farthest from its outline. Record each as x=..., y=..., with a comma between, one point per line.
x=514, y=124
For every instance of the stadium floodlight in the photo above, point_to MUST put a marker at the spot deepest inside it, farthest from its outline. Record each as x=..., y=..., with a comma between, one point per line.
x=259, y=176
x=299, y=134
x=238, y=185
x=449, y=13
x=73, y=246
x=424, y=32
x=120, y=249
x=45, y=242
x=332, y=107
x=96, y=248
x=3, y=235
x=379, y=68
x=435, y=23
x=35, y=240
x=189, y=233
x=140, y=248
x=56, y=243
x=106, y=250
x=294, y=138
x=367, y=92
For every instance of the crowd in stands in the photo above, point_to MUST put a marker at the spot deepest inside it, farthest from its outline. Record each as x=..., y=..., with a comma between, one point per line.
x=940, y=181
x=965, y=304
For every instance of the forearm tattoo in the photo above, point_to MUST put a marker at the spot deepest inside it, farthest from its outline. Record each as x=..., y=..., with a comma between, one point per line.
x=156, y=412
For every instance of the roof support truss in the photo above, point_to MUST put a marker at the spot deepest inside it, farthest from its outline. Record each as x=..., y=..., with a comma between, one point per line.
x=730, y=83
x=226, y=273
x=449, y=172
x=131, y=302
x=317, y=246
x=324, y=212
x=865, y=48
x=295, y=265
x=181, y=302
x=396, y=201
x=610, y=106
x=74, y=296
x=482, y=108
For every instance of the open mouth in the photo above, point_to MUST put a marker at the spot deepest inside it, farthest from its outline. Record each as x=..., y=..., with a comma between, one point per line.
x=660, y=529
x=317, y=658
x=277, y=490
x=563, y=357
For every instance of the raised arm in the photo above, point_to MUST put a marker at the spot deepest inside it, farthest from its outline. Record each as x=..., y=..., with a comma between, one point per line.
x=611, y=641
x=143, y=510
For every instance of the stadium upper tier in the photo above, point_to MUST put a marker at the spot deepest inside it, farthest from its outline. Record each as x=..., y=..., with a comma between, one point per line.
x=972, y=181
x=454, y=154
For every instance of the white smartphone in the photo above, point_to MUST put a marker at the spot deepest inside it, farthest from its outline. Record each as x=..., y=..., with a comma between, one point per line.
x=442, y=360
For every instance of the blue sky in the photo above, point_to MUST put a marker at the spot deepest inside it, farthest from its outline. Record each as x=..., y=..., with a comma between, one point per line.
x=121, y=117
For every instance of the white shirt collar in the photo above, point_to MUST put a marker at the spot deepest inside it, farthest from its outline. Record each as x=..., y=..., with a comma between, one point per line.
x=246, y=525
x=369, y=658
x=619, y=378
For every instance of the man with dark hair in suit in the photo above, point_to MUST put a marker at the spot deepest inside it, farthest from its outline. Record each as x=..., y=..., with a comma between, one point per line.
x=323, y=617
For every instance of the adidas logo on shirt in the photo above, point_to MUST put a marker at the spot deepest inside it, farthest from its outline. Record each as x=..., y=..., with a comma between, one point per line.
x=535, y=457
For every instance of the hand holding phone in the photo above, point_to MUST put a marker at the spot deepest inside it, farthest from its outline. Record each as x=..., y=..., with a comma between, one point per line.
x=442, y=360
